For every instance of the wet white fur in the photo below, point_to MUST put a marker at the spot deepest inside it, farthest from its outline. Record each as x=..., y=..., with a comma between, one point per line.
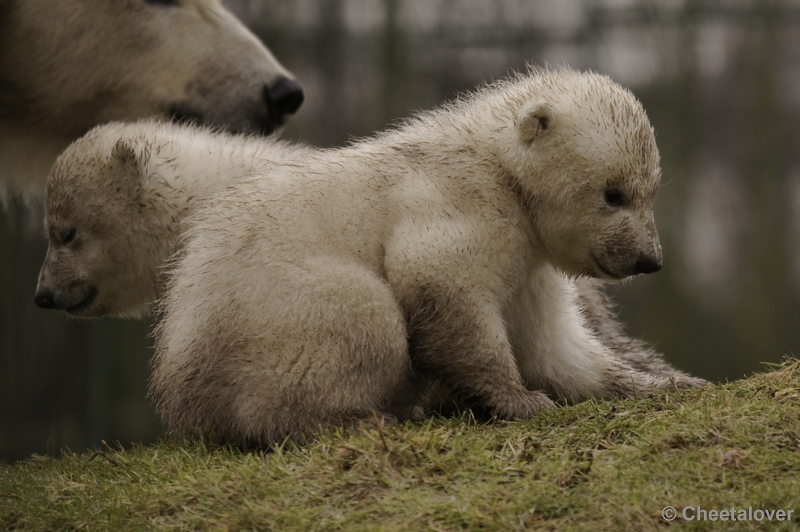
x=125, y=189
x=441, y=251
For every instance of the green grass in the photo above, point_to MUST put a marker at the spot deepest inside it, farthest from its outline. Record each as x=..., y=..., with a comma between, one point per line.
x=595, y=466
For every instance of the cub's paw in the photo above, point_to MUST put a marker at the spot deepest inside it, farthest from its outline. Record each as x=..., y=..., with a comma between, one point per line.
x=685, y=382
x=523, y=406
x=640, y=384
x=372, y=421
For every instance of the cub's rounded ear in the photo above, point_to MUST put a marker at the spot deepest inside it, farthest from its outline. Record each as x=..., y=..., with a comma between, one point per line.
x=129, y=164
x=535, y=120
x=125, y=158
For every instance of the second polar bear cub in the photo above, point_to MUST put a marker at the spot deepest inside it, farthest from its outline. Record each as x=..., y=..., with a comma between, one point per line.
x=115, y=203
x=441, y=251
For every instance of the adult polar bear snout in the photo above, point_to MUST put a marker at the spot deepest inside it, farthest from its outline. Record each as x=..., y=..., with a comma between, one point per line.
x=247, y=90
x=67, y=66
x=262, y=109
x=73, y=64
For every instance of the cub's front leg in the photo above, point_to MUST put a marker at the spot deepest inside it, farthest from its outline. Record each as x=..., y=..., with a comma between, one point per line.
x=461, y=340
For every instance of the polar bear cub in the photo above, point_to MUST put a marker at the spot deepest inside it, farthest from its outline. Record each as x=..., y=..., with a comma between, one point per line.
x=443, y=251
x=115, y=200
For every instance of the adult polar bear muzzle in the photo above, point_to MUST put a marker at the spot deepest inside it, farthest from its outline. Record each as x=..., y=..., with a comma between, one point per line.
x=70, y=65
x=260, y=109
x=67, y=66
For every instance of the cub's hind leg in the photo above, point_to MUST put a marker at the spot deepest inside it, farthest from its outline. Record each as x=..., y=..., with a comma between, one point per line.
x=319, y=343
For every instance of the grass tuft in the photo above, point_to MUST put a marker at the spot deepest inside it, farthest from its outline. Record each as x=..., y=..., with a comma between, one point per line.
x=599, y=465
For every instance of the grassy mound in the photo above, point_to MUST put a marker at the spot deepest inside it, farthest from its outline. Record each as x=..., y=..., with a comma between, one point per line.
x=608, y=465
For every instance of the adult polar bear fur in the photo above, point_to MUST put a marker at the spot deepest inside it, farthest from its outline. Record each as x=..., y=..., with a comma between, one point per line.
x=69, y=65
x=115, y=200
x=442, y=251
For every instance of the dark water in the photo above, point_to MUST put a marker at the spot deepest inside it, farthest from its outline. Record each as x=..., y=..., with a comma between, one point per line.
x=721, y=87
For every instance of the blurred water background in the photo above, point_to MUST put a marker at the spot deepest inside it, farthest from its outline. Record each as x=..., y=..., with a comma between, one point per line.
x=720, y=81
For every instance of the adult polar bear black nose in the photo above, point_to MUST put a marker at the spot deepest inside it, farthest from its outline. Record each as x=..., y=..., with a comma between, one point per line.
x=648, y=265
x=44, y=299
x=268, y=109
x=284, y=98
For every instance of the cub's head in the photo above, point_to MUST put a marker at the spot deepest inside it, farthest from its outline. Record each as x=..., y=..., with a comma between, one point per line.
x=102, y=257
x=586, y=164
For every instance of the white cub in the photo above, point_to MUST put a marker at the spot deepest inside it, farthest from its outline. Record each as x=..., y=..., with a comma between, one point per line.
x=445, y=251
x=115, y=201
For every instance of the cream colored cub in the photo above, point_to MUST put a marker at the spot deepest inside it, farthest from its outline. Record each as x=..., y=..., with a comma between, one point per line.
x=445, y=251
x=115, y=202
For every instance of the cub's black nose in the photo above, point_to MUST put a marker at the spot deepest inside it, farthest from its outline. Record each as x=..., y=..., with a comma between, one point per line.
x=648, y=266
x=284, y=97
x=44, y=299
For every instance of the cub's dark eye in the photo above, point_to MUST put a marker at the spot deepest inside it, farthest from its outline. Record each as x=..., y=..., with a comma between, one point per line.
x=613, y=197
x=68, y=236
x=173, y=3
